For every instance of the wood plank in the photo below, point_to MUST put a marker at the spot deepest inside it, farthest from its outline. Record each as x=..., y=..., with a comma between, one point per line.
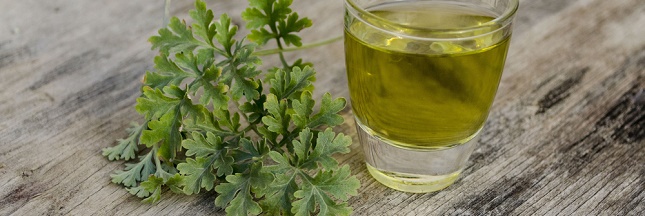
x=565, y=135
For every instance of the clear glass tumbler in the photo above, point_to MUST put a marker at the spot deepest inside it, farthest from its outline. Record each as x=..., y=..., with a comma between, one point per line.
x=422, y=77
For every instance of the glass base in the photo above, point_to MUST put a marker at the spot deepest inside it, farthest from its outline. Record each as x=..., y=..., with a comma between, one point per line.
x=413, y=183
x=413, y=170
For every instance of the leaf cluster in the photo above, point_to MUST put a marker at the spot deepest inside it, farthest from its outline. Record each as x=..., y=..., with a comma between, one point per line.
x=211, y=125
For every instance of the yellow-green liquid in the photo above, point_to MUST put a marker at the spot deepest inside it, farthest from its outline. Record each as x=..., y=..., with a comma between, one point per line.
x=424, y=93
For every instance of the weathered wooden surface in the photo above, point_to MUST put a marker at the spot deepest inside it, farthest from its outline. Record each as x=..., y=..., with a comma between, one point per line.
x=565, y=135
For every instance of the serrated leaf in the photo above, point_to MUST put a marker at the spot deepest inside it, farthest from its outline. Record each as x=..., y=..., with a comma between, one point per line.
x=290, y=25
x=248, y=151
x=303, y=109
x=138, y=191
x=302, y=146
x=236, y=194
x=127, y=148
x=215, y=94
x=239, y=72
x=197, y=174
x=165, y=130
x=279, y=195
x=167, y=73
x=174, y=183
x=255, y=108
x=159, y=80
x=316, y=191
x=328, y=112
x=278, y=120
x=225, y=33
x=207, y=123
x=134, y=173
x=203, y=19
x=201, y=146
x=261, y=36
x=244, y=86
x=176, y=37
x=155, y=103
x=152, y=186
x=254, y=17
x=327, y=144
x=212, y=149
x=225, y=119
x=291, y=84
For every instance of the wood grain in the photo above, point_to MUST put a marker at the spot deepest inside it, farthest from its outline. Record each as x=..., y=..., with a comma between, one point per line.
x=566, y=135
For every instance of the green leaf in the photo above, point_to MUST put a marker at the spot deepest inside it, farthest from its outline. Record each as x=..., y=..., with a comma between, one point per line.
x=177, y=37
x=225, y=33
x=166, y=129
x=281, y=9
x=211, y=148
x=279, y=195
x=278, y=120
x=225, y=119
x=327, y=144
x=203, y=19
x=291, y=84
x=138, y=191
x=236, y=194
x=208, y=123
x=127, y=148
x=197, y=174
x=134, y=173
x=201, y=146
x=254, y=17
x=263, y=14
x=153, y=186
x=303, y=109
x=167, y=73
x=328, y=112
x=216, y=94
x=316, y=192
x=290, y=25
x=155, y=103
x=302, y=147
x=245, y=86
x=255, y=108
x=175, y=183
x=261, y=36
x=249, y=152
x=239, y=72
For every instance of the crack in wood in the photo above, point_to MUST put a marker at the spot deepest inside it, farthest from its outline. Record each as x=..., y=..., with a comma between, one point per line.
x=500, y=199
x=22, y=193
x=560, y=92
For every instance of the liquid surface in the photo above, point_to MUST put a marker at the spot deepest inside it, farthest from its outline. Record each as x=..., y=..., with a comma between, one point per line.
x=424, y=93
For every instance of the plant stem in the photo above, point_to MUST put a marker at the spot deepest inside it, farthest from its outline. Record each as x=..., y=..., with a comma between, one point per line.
x=291, y=49
x=282, y=59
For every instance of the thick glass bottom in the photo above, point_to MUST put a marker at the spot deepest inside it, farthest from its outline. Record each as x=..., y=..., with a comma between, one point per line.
x=413, y=183
x=413, y=170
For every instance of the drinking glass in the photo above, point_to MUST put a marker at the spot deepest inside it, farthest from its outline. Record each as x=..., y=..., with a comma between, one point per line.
x=422, y=77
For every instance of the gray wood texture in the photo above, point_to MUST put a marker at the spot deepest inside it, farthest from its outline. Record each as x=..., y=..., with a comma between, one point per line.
x=566, y=135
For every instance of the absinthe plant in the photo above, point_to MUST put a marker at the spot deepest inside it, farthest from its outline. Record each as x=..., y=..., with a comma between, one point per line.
x=271, y=153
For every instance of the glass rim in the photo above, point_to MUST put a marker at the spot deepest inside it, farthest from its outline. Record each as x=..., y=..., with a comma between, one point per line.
x=503, y=19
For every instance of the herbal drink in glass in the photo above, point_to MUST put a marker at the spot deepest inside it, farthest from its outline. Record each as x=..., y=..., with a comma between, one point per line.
x=422, y=77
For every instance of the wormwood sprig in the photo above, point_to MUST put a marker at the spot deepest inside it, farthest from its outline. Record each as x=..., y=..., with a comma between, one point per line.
x=210, y=123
